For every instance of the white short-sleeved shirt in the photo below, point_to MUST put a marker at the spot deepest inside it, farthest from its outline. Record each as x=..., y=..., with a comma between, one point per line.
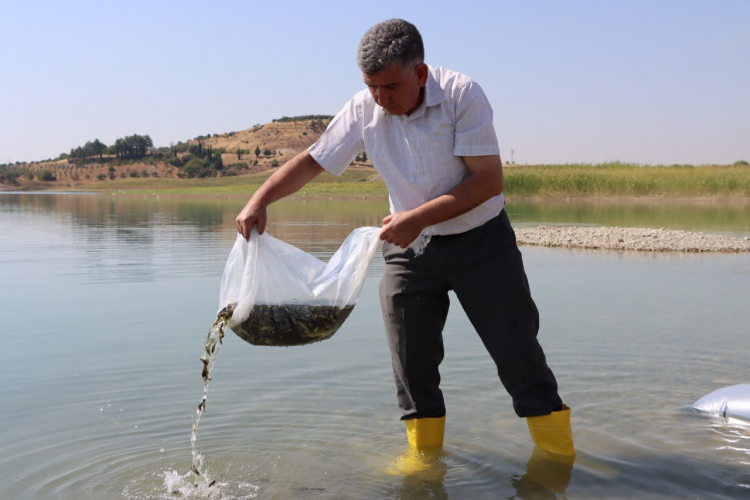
x=418, y=156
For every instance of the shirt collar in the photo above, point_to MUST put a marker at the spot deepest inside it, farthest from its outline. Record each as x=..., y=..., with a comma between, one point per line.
x=433, y=95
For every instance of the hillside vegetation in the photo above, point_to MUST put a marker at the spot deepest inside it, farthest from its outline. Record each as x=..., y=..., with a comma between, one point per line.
x=95, y=165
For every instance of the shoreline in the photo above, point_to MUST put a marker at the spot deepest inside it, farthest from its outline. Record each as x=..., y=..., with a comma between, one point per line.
x=630, y=239
x=546, y=198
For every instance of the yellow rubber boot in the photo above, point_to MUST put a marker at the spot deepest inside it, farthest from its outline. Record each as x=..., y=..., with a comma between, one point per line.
x=423, y=458
x=552, y=432
x=424, y=432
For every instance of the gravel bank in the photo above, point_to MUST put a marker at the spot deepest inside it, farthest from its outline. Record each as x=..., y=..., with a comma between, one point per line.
x=628, y=238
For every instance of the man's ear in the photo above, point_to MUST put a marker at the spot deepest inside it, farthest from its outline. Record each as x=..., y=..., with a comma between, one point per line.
x=421, y=71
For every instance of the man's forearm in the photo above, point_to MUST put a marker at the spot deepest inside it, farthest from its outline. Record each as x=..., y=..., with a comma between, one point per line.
x=469, y=194
x=483, y=183
x=288, y=179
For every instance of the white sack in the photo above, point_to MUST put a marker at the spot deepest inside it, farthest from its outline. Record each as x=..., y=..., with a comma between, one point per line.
x=727, y=402
x=268, y=271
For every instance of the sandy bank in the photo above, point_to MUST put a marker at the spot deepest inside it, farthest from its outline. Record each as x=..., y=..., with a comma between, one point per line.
x=631, y=239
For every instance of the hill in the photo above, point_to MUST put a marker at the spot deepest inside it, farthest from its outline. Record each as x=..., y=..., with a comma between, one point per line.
x=285, y=137
x=254, y=150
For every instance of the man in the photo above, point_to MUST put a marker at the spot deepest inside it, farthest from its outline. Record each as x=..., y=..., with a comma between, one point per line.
x=429, y=134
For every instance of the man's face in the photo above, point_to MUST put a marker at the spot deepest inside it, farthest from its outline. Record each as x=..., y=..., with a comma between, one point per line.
x=396, y=92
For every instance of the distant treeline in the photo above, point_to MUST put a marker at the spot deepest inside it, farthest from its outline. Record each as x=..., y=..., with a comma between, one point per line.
x=302, y=118
x=129, y=147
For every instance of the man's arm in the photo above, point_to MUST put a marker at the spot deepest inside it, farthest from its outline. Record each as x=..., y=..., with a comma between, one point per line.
x=288, y=179
x=484, y=182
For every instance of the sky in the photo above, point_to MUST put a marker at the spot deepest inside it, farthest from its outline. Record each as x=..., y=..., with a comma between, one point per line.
x=642, y=81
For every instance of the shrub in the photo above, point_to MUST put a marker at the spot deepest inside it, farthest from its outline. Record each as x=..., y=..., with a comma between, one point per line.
x=134, y=173
x=177, y=161
x=740, y=163
x=144, y=173
x=47, y=176
x=194, y=167
x=101, y=177
x=275, y=163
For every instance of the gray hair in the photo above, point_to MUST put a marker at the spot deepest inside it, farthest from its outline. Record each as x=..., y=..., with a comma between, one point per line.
x=392, y=41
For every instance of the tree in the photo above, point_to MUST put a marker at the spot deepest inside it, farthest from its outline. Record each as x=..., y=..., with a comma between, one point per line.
x=133, y=146
x=98, y=147
x=257, y=151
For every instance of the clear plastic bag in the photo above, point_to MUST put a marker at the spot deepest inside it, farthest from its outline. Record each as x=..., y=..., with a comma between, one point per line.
x=279, y=295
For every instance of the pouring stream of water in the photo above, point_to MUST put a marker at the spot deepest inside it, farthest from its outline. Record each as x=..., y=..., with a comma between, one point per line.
x=212, y=349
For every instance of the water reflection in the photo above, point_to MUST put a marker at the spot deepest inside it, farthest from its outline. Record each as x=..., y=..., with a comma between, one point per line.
x=546, y=476
x=106, y=301
x=146, y=239
x=721, y=217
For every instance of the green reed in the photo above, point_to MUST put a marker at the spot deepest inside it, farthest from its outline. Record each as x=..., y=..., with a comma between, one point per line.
x=623, y=179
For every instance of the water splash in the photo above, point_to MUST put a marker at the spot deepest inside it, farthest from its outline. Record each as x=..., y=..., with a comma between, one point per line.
x=180, y=486
x=212, y=348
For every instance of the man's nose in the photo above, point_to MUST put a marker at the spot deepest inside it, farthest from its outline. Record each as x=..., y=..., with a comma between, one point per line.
x=384, y=97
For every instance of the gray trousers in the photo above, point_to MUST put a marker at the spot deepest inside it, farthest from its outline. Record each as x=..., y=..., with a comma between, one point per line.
x=484, y=268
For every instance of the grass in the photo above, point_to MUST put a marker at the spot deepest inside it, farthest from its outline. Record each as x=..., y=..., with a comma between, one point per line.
x=352, y=183
x=623, y=179
x=569, y=180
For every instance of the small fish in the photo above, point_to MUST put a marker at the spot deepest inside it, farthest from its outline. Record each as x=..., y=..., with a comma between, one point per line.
x=202, y=405
x=195, y=469
x=205, y=368
x=212, y=483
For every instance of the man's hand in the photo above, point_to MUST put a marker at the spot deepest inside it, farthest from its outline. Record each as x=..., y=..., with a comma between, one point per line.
x=254, y=214
x=401, y=228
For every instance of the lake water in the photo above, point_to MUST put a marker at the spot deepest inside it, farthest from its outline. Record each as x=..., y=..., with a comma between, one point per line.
x=106, y=302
